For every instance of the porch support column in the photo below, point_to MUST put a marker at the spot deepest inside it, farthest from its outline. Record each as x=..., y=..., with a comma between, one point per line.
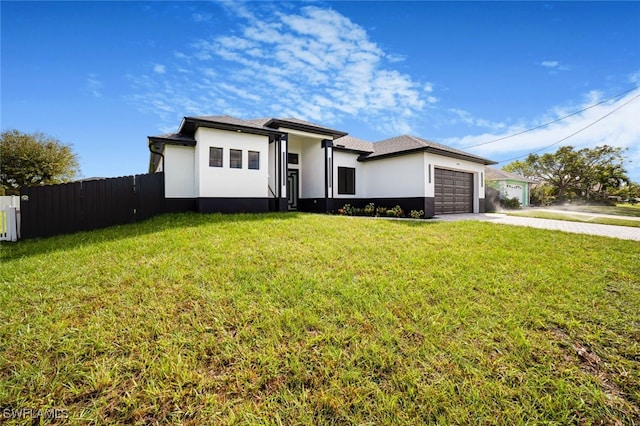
x=283, y=178
x=327, y=144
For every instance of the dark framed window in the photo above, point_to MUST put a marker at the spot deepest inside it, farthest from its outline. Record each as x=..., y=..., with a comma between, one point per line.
x=215, y=157
x=254, y=160
x=235, y=158
x=346, y=180
x=293, y=158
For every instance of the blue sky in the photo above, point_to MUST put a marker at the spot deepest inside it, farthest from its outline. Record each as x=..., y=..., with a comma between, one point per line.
x=105, y=75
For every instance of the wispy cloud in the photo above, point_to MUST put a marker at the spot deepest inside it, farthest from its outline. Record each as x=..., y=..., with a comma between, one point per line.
x=94, y=86
x=460, y=116
x=312, y=63
x=554, y=66
x=202, y=17
x=621, y=129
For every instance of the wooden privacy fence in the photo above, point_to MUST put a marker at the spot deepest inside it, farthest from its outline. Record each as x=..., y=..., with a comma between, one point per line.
x=86, y=205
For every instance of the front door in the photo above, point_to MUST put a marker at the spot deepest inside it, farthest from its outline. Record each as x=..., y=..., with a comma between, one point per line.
x=292, y=189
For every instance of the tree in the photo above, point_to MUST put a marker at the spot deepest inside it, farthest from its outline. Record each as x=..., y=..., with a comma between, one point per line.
x=34, y=159
x=588, y=173
x=522, y=168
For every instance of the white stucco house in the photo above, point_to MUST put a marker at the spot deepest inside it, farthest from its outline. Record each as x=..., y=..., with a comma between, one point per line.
x=225, y=164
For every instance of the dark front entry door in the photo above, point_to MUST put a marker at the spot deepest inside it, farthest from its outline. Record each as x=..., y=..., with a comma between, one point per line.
x=292, y=189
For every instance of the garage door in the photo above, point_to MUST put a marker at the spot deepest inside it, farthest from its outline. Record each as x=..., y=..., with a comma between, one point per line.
x=453, y=191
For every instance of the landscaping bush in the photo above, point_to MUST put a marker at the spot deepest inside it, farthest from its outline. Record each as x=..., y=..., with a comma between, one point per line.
x=371, y=210
x=510, y=203
x=416, y=214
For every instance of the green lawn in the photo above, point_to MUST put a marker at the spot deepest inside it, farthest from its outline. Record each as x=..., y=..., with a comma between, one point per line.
x=571, y=217
x=314, y=319
x=619, y=210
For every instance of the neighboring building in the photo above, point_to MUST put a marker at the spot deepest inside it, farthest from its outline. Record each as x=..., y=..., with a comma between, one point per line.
x=224, y=164
x=509, y=185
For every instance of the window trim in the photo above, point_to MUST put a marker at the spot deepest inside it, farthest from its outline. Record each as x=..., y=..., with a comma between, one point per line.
x=211, y=162
x=231, y=160
x=343, y=180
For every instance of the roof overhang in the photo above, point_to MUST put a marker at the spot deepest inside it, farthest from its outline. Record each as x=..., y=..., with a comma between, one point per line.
x=432, y=150
x=172, y=140
x=337, y=147
x=277, y=123
x=189, y=126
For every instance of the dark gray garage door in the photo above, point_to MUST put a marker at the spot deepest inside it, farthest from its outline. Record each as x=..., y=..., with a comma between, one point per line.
x=453, y=192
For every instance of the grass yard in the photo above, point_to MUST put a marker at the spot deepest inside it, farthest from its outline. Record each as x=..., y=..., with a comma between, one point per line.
x=618, y=210
x=572, y=217
x=314, y=319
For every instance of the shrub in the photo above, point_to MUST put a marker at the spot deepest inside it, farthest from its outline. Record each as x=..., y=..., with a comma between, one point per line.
x=396, y=211
x=347, y=209
x=510, y=203
x=381, y=211
x=417, y=214
x=370, y=209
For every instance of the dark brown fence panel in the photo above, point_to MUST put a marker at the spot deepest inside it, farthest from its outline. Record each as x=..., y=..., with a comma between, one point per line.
x=82, y=206
x=53, y=211
x=108, y=202
x=149, y=195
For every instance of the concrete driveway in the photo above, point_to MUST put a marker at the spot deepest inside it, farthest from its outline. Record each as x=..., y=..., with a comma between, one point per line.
x=612, y=231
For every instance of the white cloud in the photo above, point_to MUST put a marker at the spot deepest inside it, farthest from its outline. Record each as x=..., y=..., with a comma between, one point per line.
x=554, y=66
x=201, y=17
x=159, y=69
x=94, y=86
x=465, y=117
x=312, y=63
x=550, y=64
x=621, y=128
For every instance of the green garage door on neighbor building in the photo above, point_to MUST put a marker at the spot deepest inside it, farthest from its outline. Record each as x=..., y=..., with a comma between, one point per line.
x=453, y=191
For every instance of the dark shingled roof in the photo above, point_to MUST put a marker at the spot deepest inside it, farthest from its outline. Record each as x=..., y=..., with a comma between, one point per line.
x=492, y=173
x=349, y=143
x=407, y=143
x=260, y=121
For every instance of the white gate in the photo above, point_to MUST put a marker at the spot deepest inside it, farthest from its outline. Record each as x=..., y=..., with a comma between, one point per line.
x=8, y=224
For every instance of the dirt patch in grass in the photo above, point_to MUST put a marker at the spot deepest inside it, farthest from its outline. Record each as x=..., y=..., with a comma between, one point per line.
x=597, y=368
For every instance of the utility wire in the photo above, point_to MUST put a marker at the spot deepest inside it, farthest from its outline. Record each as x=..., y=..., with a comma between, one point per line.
x=576, y=132
x=554, y=121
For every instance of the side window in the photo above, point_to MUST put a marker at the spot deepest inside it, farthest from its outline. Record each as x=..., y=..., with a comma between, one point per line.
x=235, y=158
x=254, y=160
x=215, y=157
x=346, y=180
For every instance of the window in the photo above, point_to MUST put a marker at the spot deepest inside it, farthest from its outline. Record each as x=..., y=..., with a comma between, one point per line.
x=215, y=157
x=346, y=180
x=235, y=158
x=293, y=158
x=254, y=160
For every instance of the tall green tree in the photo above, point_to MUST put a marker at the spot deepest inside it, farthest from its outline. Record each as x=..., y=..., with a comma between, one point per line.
x=589, y=173
x=30, y=159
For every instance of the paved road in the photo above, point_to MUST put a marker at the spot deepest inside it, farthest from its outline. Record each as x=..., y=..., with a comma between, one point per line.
x=613, y=231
